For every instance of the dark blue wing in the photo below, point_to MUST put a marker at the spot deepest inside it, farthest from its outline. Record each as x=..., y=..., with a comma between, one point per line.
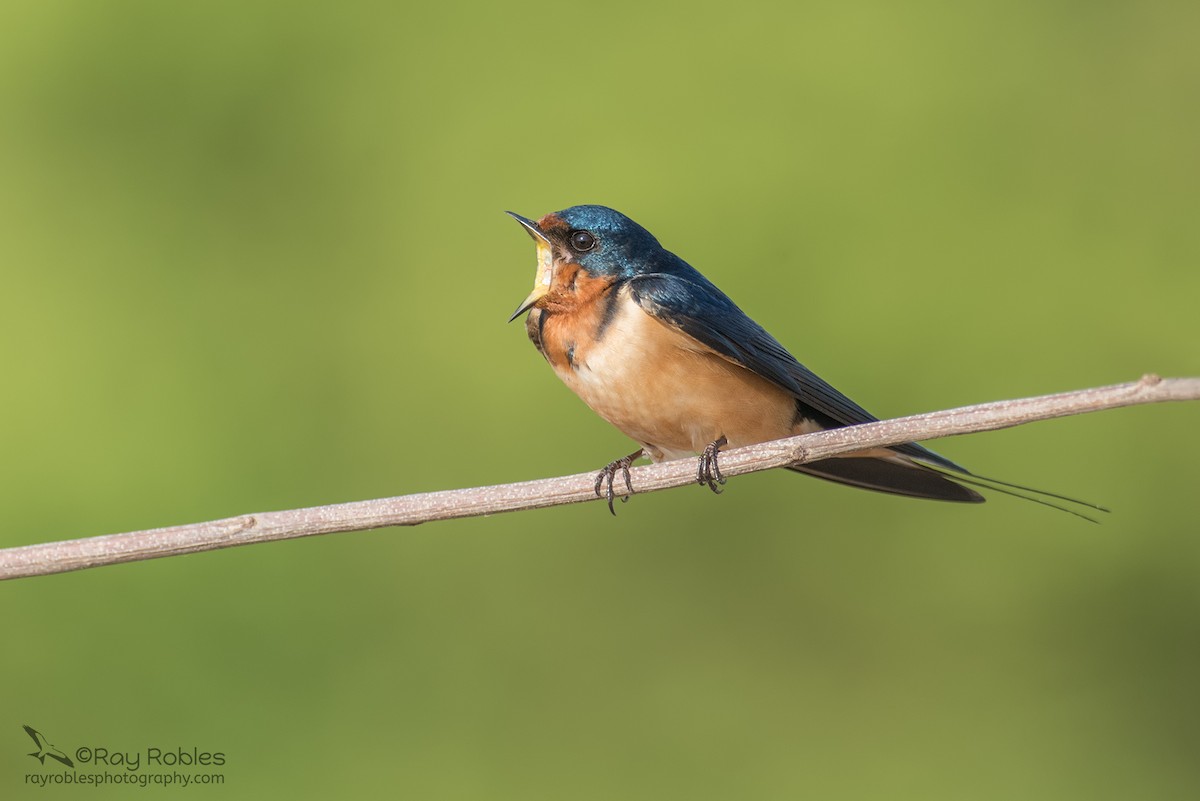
x=690, y=302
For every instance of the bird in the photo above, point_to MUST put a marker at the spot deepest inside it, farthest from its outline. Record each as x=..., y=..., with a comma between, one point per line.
x=45, y=749
x=658, y=351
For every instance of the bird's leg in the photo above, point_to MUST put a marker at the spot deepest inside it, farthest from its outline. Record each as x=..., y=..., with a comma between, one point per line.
x=709, y=472
x=609, y=473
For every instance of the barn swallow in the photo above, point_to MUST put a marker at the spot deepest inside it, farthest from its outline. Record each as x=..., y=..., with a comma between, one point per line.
x=661, y=353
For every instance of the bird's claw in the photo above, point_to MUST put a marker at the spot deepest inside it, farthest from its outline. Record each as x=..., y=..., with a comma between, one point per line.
x=609, y=474
x=709, y=472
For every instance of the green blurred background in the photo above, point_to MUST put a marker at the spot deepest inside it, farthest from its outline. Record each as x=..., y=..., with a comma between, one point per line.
x=254, y=258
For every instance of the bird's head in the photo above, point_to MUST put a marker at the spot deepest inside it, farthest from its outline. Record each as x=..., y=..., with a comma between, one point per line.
x=603, y=243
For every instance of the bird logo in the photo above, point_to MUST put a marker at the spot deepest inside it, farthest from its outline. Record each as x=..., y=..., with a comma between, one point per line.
x=46, y=749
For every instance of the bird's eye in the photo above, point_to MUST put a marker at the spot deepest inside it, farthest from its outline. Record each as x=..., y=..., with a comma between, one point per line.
x=582, y=241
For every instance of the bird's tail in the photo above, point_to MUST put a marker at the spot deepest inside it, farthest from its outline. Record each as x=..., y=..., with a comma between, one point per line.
x=898, y=475
x=902, y=476
x=1063, y=503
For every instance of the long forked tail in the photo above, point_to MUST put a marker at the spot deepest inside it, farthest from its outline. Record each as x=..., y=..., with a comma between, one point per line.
x=898, y=476
x=901, y=476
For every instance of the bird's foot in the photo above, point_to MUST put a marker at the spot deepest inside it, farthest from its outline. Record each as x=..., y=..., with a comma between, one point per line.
x=709, y=472
x=609, y=473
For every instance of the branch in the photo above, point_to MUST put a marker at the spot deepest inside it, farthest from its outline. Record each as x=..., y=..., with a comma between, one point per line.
x=409, y=510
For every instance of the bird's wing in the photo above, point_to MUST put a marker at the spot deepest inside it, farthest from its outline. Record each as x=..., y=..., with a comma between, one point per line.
x=37, y=739
x=694, y=305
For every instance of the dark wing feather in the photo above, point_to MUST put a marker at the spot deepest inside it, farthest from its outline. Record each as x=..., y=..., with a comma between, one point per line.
x=883, y=475
x=689, y=301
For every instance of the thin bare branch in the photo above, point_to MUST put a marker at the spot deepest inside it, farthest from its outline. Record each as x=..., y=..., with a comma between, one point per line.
x=409, y=510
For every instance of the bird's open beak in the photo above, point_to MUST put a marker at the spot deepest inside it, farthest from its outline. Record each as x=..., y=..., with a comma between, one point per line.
x=545, y=268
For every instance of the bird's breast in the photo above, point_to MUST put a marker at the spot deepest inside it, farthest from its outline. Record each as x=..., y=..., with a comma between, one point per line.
x=670, y=393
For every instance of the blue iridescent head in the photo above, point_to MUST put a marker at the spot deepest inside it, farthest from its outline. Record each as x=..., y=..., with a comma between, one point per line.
x=602, y=241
